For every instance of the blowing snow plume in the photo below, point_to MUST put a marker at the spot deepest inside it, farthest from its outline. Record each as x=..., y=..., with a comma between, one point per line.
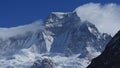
x=105, y=17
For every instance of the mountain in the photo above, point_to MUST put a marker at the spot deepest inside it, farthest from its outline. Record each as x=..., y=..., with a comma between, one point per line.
x=63, y=36
x=110, y=58
x=73, y=39
x=72, y=36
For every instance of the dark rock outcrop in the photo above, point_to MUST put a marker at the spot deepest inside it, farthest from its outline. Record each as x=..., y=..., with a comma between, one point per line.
x=110, y=58
x=45, y=63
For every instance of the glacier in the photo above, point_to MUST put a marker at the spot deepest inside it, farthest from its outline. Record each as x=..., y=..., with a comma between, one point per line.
x=62, y=37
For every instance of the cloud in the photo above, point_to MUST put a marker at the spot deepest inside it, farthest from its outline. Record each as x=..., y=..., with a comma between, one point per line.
x=105, y=17
x=21, y=30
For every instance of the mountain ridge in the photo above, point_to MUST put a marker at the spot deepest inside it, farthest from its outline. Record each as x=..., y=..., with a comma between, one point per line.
x=110, y=58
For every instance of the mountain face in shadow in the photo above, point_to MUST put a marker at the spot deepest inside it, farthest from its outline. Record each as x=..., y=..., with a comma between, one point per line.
x=73, y=36
x=110, y=58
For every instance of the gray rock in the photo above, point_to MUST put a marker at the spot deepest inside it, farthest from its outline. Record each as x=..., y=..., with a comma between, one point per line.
x=45, y=63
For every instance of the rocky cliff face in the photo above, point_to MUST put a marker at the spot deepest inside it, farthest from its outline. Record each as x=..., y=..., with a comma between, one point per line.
x=45, y=63
x=110, y=58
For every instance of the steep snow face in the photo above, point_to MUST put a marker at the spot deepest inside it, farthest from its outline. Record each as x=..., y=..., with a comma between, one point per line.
x=72, y=36
x=48, y=40
x=12, y=40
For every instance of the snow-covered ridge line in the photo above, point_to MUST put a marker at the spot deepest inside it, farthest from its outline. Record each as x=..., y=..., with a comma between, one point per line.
x=13, y=31
x=60, y=13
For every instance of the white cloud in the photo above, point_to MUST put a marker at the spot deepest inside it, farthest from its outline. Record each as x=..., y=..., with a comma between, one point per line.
x=105, y=17
x=20, y=30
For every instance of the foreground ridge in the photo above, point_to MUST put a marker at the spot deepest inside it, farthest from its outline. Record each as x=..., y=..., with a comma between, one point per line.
x=110, y=58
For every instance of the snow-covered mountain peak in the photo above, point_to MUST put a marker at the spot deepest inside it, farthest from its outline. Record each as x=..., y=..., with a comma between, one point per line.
x=69, y=21
x=71, y=35
x=20, y=30
x=58, y=19
x=60, y=15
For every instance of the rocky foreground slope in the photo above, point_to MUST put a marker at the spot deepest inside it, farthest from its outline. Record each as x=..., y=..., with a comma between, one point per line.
x=110, y=58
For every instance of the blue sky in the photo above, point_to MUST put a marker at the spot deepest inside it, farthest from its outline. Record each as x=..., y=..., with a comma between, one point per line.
x=20, y=12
